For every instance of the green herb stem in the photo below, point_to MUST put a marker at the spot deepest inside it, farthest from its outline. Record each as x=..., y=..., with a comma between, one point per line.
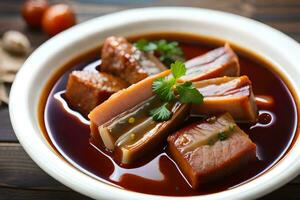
x=168, y=89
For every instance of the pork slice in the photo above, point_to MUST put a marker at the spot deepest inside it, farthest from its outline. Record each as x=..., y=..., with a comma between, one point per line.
x=124, y=99
x=121, y=58
x=216, y=63
x=145, y=137
x=86, y=89
x=134, y=133
x=203, y=133
x=211, y=161
x=227, y=94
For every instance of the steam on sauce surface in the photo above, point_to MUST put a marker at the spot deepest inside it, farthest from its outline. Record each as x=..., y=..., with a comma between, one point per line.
x=157, y=173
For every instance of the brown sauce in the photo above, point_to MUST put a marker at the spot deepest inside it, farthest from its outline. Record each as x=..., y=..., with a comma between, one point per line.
x=69, y=132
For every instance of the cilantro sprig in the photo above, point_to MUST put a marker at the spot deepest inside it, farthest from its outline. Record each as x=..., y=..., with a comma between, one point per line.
x=163, y=88
x=169, y=89
x=161, y=113
x=222, y=136
x=189, y=94
x=168, y=52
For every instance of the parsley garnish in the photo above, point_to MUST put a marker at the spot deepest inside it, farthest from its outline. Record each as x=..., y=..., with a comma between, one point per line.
x=189, y=94
x=168, y=52
x=222, y=136
x=161, y=113
x=178, y=69
x=146, y=46
x=162, y=87
x=168, y=89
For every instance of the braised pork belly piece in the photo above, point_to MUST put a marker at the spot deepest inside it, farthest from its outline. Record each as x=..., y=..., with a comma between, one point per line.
x=209, y=150
x=216, y=63
x=128, y=129
x=134, y=133
x=123, y=59
x=124, y=100
x=86, y=89
x=227, y=94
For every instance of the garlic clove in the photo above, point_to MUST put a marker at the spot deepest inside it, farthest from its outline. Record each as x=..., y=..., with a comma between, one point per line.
x=9, y=62
x=16, y=43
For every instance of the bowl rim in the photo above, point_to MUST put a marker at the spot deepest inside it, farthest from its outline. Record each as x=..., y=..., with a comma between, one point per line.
x=79, y=181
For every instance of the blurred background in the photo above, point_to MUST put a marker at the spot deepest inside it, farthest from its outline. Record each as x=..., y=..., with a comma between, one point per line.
x=20, y=178
x=281, y=14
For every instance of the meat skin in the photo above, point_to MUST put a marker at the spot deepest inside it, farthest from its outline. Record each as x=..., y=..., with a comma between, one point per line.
x=209, y=162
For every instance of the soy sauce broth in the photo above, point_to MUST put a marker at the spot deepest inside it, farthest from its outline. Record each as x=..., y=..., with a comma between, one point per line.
x=69, y=132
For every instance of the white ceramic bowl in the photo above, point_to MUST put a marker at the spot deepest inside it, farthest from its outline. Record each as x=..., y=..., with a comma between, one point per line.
x=273, y=45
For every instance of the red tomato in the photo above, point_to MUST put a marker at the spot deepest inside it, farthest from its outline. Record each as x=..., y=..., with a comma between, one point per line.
x=33, y=11
x=58, y=18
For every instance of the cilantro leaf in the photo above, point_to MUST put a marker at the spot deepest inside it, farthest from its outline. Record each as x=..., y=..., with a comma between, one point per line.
x=189, y=94
x=163, y=88
x=166, y=60
x=161, y=113
x=167, y=52
x=178, y=69
x=140, y=44
x=169, y=48
x=145, y=45
x=222, y=136
x=168, y=89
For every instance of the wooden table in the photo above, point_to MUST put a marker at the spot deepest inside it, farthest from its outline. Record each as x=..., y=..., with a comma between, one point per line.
x=21, y=178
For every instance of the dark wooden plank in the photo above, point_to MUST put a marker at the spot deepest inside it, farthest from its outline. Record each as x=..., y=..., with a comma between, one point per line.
x=296, y=181
x=234, y=6
x=6, y=131
x=296, y=37
x=287, y=27
x=273, y=11
x=17, y=170
x=288, y=192
x=278, y=3
x=21, y=194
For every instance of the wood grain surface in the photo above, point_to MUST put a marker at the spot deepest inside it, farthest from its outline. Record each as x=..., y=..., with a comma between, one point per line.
x=21, y=178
